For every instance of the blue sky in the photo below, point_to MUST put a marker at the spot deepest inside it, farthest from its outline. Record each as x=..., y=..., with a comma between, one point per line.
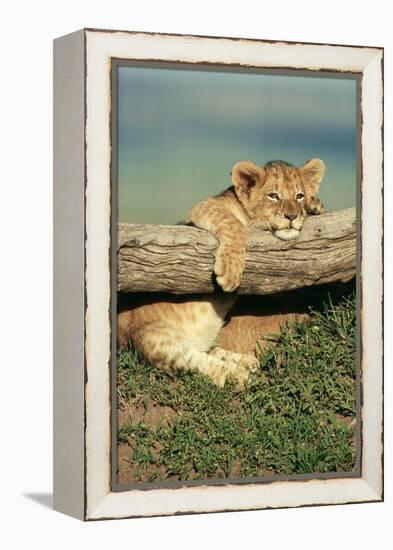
x=181, y=130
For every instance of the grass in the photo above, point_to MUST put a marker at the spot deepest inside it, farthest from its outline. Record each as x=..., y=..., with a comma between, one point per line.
x=296, y=416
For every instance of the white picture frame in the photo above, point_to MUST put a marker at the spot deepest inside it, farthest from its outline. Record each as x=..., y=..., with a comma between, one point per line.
x=83, y=285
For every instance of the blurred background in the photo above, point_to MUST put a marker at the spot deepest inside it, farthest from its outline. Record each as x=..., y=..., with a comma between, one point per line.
x=180, y=131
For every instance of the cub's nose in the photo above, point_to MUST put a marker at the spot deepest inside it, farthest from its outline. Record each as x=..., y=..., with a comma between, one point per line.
x=290, y=216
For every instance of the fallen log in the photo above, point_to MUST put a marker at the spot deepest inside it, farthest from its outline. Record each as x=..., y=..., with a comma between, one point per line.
x=179, y=259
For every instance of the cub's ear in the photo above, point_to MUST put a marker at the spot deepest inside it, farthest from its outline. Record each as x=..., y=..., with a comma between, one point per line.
x=245, y=175
x=313, y=172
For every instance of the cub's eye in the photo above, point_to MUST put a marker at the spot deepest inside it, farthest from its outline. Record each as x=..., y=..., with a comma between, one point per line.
x=299, y=196
x=273, y=196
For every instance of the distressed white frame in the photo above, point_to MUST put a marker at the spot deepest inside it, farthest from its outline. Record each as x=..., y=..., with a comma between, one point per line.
x=99, y=48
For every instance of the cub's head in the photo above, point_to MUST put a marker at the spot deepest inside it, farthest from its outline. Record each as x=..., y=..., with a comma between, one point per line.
x=278, y=196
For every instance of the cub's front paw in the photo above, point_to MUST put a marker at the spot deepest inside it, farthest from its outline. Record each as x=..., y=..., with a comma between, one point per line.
x=315, y=207
x=229, y=267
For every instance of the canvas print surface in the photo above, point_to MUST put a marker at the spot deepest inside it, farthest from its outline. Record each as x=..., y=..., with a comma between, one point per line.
x=254, y=375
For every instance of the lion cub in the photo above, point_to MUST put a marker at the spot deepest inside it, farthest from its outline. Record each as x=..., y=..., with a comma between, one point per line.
x=182, y=332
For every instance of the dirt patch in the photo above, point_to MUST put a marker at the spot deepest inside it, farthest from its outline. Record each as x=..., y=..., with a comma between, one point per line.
x=153, y=415
x=128, y=472
x=348, y=421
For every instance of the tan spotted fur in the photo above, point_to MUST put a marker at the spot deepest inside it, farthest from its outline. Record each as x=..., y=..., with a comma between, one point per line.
x=196, y=333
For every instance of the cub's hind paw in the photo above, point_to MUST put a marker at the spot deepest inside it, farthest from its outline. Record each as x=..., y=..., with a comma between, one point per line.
x=237, y=366
x=241, y=367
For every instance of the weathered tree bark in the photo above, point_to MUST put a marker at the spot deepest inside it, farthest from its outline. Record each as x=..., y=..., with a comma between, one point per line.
x=180, y=259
